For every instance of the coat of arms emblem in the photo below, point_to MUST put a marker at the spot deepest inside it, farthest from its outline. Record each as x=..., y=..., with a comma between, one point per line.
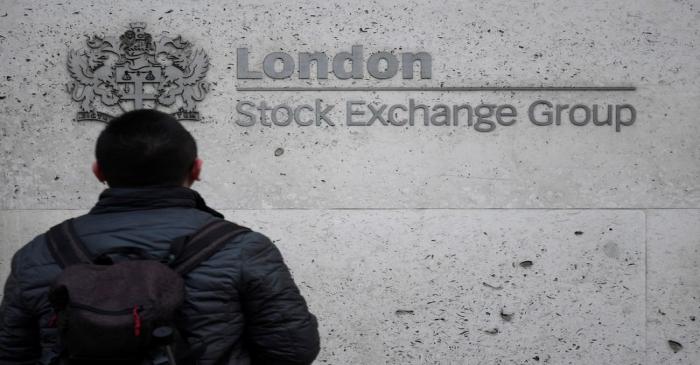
x=136, y=71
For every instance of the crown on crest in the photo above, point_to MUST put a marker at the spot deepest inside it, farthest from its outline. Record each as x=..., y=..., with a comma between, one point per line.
x=137, y=25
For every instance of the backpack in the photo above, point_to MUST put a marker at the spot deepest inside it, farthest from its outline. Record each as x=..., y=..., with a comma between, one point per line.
x=124, y=312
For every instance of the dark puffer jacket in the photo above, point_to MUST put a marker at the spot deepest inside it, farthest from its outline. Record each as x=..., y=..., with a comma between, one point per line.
x=242, y=302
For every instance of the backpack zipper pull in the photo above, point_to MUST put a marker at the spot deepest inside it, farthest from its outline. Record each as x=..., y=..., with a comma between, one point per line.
x=137, y=321
x=53, y=321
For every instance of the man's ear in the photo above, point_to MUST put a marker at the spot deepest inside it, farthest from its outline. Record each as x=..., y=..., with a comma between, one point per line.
x=98, y=172
x=196, y=170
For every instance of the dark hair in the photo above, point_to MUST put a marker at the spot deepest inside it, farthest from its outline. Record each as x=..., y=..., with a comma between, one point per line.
x=145, y=148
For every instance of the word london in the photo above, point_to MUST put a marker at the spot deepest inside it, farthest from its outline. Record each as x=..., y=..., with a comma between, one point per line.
x=380, y=65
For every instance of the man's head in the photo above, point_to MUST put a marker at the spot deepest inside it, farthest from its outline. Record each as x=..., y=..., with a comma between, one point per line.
x=146, y=148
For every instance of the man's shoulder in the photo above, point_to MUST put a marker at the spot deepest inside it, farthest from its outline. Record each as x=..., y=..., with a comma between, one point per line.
x=247, y=243
x=34, y=261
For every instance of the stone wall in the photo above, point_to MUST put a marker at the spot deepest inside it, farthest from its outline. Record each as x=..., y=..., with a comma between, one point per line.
x=557, y=244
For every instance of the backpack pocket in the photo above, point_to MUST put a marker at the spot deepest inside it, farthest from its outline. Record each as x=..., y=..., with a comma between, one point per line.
x=83, y=330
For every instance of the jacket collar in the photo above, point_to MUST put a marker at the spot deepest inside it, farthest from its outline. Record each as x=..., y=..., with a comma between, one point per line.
x=155, y=197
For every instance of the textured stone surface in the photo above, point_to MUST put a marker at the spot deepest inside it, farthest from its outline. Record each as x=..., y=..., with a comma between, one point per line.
x=409, y=285
x=642, y=43
x=457, y=286
x=673, y=286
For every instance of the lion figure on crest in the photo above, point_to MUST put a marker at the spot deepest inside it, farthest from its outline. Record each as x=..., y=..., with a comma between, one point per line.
x=93, y=77
x=184, y=76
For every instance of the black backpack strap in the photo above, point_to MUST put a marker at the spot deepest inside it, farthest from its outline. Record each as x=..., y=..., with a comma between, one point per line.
x=203, y=244
x=65, y=245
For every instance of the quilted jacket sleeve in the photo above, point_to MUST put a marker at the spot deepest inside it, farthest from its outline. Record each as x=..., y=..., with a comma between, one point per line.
x=279, y=327
x=19, y=332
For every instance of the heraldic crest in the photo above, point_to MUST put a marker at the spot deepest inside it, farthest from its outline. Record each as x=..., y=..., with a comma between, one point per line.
x=136, y=71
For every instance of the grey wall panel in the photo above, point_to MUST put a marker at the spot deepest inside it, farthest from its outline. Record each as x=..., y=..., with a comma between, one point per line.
x=391, y=281
x=673, y=287
x=651, y=164
x=455, y=286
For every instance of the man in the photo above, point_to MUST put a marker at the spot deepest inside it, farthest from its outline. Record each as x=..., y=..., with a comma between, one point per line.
x=241, y=303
